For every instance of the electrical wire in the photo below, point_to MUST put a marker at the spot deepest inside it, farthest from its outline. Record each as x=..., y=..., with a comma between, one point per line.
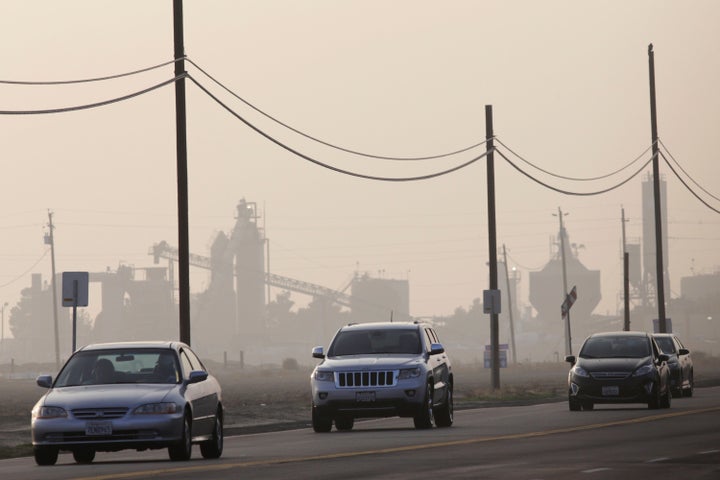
x=576, y=179
x=689, y=189
x=93, y=105
x=566, y=192
x=89, y=80
x=325, y=165
x=685, y=172
x=328, y=144
x=26, y=271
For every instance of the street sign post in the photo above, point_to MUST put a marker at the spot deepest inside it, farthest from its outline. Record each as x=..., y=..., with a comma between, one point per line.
x=75, y=294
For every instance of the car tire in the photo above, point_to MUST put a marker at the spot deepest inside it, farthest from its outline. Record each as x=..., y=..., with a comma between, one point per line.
x=688, y=392
x=444, y=414
x=587, y=406
x=45, y=456
x=320, y=423
x=666, y=400
x=654, y=401
x=344, y=423
x=424, y=418
x=213, y=448
x=182, y=450
x=574, y=404
x=84, y=455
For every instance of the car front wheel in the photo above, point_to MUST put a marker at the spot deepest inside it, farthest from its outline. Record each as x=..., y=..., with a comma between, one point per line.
x=424, y=418
x=45, y=455
x=444, y=414
x=320, y=423
x=182, y=450
x=213, y=448
x=84, y=455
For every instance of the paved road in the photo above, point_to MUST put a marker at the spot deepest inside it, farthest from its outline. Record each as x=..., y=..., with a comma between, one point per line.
x=532, y=442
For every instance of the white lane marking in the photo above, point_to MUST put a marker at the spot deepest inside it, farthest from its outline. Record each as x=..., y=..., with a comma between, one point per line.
x=659, y=459
x=595, y=470
x=709, y=451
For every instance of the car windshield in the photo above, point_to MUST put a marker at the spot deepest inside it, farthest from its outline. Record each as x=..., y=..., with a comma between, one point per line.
x=102, y=367
x=615, y=347
x=666, y=344
x=359, y=342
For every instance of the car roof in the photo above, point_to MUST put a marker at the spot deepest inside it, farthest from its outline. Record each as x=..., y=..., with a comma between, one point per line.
x=133, y=345
x=382, y=326
x=621, y=333
x=663, y=334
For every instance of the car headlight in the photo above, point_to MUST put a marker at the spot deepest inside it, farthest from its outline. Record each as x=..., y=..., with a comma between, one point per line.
x=49, y=412
x=407, y=373
x=580, y=371
x=324, y=376
x=644, y=370
x=156, y=408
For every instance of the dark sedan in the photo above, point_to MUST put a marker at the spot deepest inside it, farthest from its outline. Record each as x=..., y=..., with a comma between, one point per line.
x=680, y=362
x=139, y=395
x=619, y=367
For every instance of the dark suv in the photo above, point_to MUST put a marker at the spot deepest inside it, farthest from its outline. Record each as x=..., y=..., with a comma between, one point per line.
x=382, y=370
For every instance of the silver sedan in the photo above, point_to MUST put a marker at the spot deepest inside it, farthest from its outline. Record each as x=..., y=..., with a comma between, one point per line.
x=130, y=395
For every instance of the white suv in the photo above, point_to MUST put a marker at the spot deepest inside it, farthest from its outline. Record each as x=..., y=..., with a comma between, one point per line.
x=382, y=370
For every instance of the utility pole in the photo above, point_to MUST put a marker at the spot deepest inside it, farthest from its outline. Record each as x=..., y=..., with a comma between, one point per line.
x=568, y=339
x=50, y=238
x=626, y=276
x=659, y=269
x=182, y=176
x=492, y=245
x=510, y=308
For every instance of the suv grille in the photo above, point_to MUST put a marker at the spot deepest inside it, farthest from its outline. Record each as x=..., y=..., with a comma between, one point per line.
x=383, y=378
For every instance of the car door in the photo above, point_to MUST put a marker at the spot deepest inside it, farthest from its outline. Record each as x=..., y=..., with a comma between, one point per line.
x=439, y=364
x=202, y=395
x=684, y=360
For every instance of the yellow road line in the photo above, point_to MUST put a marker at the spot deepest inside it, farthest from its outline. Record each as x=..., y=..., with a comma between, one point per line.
x=469, y=441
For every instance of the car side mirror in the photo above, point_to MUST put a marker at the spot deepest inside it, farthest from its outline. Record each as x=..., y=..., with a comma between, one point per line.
x=197, y=376
x=570, y=359
x=318, y=352
x=663, y=357
x=44, y=381
x=683, y=351
x=436, y=348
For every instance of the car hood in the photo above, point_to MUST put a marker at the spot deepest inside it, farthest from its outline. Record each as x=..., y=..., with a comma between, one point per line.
x=102, y=396
x=612, y=364
x=374, y=362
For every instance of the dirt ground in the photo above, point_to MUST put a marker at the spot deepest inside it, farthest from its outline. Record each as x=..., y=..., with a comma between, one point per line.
x=267, y=398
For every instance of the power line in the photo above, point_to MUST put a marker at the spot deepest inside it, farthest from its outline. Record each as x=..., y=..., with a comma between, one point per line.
x=315, y=139
x=26, y=271
x=567, y=192
x=325, y=165
x=689, y=189
x=576, y=179
x=685, y=172
x=93, y=105
x=87, y=80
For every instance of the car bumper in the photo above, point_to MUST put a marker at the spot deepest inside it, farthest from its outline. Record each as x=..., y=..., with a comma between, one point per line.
x=404, y=399
x=628, y=390
x=137, y=432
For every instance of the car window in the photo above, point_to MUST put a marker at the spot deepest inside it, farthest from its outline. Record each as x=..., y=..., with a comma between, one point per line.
x=359, y=342
x=666, y=344
x=96, y=367
x=615, y=347
x=186, y=364
x=194, y=360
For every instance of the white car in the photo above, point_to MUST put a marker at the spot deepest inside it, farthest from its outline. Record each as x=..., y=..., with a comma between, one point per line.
x=382, y=370
x=132, y=395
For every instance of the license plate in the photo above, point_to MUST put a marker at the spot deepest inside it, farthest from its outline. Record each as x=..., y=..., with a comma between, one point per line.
x=610, y=390
x=365, y=396
x=98, y=428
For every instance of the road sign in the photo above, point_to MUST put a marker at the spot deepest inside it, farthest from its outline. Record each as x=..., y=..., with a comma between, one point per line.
x=491, y=301
x=569, y=300
x=75, y=289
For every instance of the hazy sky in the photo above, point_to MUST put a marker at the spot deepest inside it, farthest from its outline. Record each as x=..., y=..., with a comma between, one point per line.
x=568, y=82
